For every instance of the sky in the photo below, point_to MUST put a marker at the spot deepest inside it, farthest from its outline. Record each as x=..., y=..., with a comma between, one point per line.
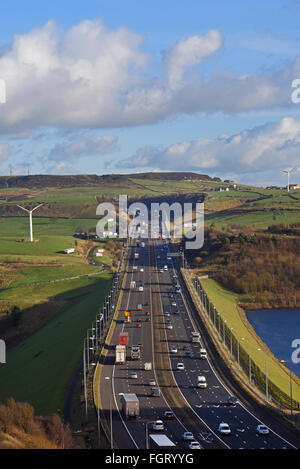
x=127, y=86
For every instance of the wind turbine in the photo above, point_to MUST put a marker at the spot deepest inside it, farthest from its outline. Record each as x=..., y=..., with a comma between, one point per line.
x=30, y=218
x=288, y=172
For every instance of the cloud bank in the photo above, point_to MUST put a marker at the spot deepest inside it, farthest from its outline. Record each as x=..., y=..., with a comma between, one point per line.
x=92, y=76
x=268, y=147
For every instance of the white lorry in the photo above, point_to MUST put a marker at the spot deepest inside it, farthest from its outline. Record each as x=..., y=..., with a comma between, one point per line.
x=120, y=354
x=130, y=406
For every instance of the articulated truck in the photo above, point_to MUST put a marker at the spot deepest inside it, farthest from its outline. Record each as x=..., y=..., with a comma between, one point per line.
x=130, y=406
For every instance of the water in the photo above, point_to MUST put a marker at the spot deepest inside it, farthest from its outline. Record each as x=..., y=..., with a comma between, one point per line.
x=278, y=328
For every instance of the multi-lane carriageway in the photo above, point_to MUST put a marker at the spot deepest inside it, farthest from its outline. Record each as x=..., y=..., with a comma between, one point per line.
x=201, y=410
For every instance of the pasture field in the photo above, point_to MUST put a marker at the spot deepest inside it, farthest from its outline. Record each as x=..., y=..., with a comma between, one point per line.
x=39, y=369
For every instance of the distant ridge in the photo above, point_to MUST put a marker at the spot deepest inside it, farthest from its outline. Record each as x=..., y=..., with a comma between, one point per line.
x=45, y=180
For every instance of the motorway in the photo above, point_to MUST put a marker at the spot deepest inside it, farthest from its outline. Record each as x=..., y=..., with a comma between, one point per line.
x=197, y=410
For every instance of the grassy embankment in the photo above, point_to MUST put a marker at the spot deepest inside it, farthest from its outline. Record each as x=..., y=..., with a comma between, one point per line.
x=226, y=302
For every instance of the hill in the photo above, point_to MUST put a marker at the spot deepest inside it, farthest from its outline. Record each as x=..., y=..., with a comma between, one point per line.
x=83, y=180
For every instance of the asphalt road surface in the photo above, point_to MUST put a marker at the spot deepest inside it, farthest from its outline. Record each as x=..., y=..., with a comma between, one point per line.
x=209, y=406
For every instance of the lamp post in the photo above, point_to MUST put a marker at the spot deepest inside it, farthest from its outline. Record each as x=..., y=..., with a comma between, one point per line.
x=84, y=379
x=110, y=416
x=231, y=329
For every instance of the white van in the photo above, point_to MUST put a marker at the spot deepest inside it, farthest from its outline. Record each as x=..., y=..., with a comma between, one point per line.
x=203, y=354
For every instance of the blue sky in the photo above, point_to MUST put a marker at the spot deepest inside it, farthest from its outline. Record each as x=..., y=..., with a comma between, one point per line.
x=124, y=86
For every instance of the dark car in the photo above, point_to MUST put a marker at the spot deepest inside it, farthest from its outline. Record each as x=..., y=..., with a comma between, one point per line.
x=168, y=414
x=232, y=401
x=188, y=354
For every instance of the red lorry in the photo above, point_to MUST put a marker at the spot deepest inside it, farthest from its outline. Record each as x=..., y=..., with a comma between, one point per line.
x=124, y=338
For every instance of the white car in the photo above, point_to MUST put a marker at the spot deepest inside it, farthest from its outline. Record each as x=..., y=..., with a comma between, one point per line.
x=158, y=425
x=167, y=314
x=174, y=304
x=133, y=375
x=201, y=382
x=180, y=366
x=188, y=436
x=262, y=430
x=141, y=288
x=169, y=326
x=194, y=445
x=142, y=270
x=224, y=429
x=173, y=350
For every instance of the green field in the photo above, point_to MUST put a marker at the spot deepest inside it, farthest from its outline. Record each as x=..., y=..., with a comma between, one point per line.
x=40, y=369
x=41, y=281
x=18, y=227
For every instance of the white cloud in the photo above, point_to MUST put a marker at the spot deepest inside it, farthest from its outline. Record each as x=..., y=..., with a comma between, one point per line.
x=96, y=77
x=270, y=146
x=83, y=145
x=187, y=52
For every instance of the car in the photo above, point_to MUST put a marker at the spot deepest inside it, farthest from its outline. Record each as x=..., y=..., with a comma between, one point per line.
x=147, y=313
x=148, y=319
x=169, y=326
x=173, y=350
x=232, y=400
x=141, y=345
x=187, y=354
x=168, y=414
x=167, y=314
x=141, y=288
x=201, y=382
x=180, y=366
x=133, y=375
x=158, y=425
x=142, y=270
x=152, y=382
x=161, y=271
x=188, y=436
x=139, y=320
x=194, y=445
x=139, y=324
x=262, y=430
x=174, y=304
x=224, y=429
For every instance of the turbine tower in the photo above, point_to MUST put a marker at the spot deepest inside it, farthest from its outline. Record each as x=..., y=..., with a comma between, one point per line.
x=288, y=172
x=30, y=219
